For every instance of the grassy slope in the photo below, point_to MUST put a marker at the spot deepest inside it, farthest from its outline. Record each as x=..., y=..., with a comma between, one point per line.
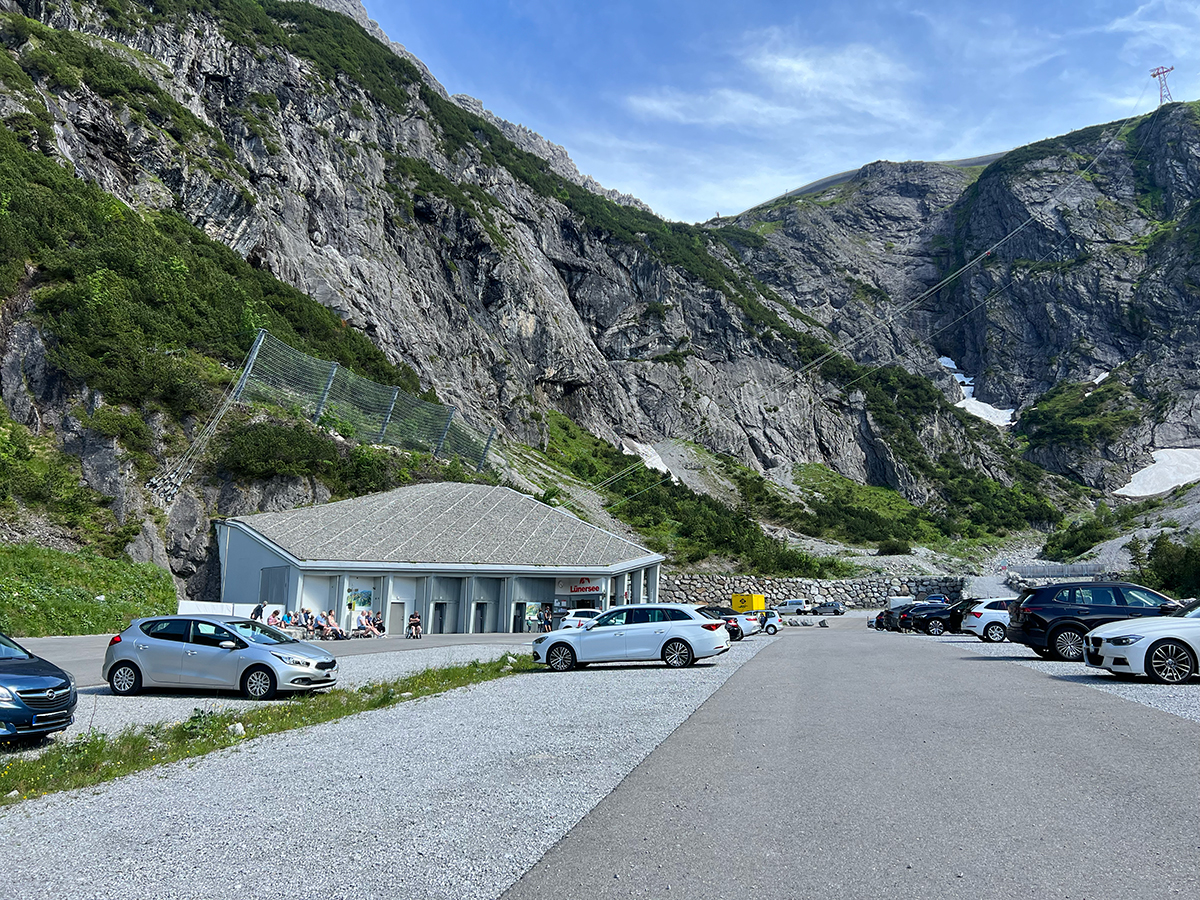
x=46, y=591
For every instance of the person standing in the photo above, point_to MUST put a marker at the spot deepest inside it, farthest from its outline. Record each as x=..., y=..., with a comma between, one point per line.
x=256, y=614
x=541, y=618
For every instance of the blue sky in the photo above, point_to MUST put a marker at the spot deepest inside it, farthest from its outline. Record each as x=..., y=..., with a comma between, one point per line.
x=703, y=107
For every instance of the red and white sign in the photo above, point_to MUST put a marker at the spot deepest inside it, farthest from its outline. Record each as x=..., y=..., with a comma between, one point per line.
x=574, y=587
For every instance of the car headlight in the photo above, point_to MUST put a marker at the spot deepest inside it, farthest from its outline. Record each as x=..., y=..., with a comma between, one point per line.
x=5, y=695
x=1125, y=640
x=290, y=660
x=539, y=640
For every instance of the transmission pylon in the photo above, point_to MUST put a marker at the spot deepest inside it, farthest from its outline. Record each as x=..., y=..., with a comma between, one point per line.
x=1164, y=92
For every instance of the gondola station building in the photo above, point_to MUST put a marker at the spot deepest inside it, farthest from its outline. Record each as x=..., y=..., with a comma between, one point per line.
x=469, y=558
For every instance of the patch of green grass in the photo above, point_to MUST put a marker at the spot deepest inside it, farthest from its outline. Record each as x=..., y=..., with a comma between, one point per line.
x=96, y=758
x=44, y=591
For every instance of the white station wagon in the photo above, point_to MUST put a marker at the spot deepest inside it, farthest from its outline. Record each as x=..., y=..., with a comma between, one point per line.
x=675, y=633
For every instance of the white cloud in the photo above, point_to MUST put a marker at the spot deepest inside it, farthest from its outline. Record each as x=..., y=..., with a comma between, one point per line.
x=776, y=84
x=1164, y=27
x=991, y=41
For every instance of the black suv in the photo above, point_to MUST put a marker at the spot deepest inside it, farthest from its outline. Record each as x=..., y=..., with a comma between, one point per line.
x=1053, y=619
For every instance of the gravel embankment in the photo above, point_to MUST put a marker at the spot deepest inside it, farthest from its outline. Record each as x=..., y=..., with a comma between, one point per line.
x=452, y=796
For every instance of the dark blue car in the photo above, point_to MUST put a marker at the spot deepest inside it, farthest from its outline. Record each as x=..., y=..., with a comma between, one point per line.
x=36, y=697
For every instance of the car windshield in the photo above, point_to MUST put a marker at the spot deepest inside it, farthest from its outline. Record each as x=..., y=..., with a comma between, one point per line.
x=257, y=633
x=10, y=649
x=1189, y=610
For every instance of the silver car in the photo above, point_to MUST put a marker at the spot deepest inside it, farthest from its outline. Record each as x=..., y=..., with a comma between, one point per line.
x=218, y=652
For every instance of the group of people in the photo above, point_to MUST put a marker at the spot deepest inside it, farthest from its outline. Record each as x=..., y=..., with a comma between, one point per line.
x=323, y=625
x=545, y=618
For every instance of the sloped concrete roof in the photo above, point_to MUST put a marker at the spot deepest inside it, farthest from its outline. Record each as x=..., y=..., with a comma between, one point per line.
x=444, y=523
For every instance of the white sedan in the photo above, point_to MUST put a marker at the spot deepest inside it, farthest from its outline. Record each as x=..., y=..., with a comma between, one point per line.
x=577, y=618
x=988, y=619
x=1164, y=649
x=672, y=632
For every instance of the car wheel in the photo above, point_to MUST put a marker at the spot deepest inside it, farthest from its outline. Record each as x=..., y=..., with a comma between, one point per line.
x=1170, y=662
x=995, y=632
x=124, y=679
x=561, y=658
x=677, y=654
x=935, y=627
x=1067, y=644
x=258, y=683
x=771, y=629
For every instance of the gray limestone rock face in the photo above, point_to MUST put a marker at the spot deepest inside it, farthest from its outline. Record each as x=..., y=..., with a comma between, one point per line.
x=1036, y=271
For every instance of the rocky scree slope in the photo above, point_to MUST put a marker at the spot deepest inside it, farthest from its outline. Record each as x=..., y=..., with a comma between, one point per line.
x=506, y=287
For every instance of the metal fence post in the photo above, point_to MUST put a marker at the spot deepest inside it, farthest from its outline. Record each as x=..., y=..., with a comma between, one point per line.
x=325, y=394
x=486, y=448
x=445, y=431
x=241, y=385
x=388, y=417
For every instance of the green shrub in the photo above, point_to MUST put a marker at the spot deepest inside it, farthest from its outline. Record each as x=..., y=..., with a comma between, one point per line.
x=140, y=304
x=894, y=547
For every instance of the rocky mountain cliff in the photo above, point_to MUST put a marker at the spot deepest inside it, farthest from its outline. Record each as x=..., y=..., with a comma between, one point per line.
x=429, y=231
x=464, y=248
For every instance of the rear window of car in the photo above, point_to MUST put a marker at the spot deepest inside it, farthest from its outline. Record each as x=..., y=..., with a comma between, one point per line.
x=998, y=604
x=587, y=613
x=167, y=629
x=679, y=615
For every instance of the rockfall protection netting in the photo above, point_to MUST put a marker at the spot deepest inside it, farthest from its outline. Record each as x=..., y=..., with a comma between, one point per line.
x=333, y=397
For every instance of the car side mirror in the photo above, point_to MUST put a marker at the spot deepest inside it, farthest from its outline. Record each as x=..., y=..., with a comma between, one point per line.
x=227, y=645
x=1168, y=608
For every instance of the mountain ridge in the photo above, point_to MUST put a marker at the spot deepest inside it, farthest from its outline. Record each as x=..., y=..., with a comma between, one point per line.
x=517, y=295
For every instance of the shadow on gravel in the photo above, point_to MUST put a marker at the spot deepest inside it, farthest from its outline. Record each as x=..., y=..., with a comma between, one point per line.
x=633, y=667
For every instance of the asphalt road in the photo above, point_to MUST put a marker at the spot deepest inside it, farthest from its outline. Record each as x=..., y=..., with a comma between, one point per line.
x=83, y=655
x=839, y=763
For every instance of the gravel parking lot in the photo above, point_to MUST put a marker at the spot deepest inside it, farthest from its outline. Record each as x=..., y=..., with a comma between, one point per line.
x=99, y=710
x=452, y=796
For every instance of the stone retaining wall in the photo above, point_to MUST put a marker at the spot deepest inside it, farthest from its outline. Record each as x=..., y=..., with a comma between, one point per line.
x=868, y=592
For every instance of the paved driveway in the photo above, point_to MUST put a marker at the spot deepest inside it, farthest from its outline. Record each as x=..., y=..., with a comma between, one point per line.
x=844, y=763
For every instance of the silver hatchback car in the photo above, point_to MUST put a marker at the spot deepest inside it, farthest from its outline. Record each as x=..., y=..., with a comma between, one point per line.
x=218, y=652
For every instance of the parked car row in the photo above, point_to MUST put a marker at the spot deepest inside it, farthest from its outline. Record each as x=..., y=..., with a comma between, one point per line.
x=797, y=606
x=1126, y=629
x=986, y=619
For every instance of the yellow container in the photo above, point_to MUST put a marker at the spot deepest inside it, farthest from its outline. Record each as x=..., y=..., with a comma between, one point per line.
x=747, y=602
